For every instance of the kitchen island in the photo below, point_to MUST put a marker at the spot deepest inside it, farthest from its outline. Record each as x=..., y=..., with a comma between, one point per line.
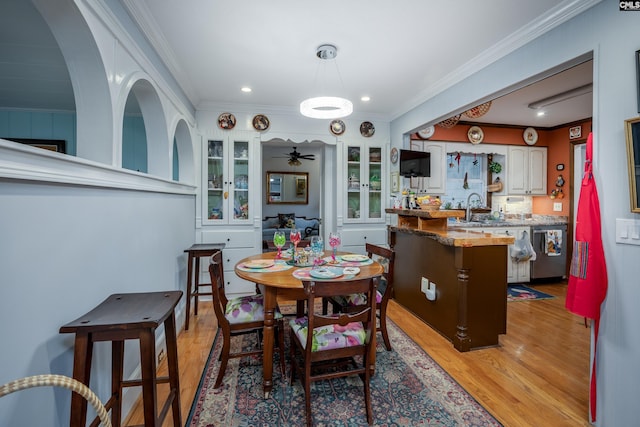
x=454, y=280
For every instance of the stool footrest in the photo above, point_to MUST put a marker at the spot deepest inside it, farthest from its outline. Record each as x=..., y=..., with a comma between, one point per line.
x=167, y=405
x=138, y=382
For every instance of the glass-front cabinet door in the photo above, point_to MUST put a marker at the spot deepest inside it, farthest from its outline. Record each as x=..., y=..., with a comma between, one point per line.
x=228, y=172
x=364, y=183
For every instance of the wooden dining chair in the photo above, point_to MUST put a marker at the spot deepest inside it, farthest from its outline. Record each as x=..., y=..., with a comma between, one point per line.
x=331, y=350
x=345, y=303
x=239, y=316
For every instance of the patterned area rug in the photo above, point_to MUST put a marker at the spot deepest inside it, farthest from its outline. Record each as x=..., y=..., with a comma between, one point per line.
x=525, y=293
x=408, y=389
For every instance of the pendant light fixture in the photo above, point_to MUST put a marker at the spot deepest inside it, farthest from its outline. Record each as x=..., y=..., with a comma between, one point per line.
x=326, y=107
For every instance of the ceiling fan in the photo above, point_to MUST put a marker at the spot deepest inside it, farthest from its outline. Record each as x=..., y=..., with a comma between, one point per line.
x=294, y=157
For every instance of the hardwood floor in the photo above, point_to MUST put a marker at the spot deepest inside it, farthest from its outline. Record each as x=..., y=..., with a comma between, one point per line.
x=538, y=376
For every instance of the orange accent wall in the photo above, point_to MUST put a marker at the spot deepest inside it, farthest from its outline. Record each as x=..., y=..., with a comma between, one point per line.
x=559, y=150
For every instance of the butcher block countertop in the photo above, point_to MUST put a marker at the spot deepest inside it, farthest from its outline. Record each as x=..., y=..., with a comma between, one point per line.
x=462, y=238
x=434, y=224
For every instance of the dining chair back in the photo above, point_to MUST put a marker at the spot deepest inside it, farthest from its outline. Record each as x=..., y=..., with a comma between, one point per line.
x=339, y=345
x=239, y=316
x=345, y=303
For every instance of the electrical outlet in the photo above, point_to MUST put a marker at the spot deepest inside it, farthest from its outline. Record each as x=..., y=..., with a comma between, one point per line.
x=161, y=356
x=557, y=206
x=424, y=284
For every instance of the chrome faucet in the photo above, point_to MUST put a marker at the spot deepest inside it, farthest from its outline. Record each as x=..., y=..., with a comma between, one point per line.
x=468, y=214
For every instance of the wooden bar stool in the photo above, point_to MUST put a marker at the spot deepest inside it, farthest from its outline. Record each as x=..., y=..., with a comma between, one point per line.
x=118, y=318
x=196, y=252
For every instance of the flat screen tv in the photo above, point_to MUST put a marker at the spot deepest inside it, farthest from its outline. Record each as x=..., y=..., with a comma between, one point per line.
x=415, y=163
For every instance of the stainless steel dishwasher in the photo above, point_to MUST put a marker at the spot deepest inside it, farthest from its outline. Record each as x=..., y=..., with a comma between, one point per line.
x=550, y=244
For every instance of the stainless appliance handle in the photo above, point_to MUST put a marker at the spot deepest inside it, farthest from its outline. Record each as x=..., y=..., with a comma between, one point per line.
x=541, y=241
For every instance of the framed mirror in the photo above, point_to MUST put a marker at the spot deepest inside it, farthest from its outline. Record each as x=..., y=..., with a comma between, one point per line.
x=632, y=131
x=291, y=188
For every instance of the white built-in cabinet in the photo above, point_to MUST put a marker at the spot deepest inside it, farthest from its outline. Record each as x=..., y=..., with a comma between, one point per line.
x=437, y=182
x=363, y=189
x=229, y=177
x=363, y=184
x=230, y=196
x=527, y=170
x=517, y=272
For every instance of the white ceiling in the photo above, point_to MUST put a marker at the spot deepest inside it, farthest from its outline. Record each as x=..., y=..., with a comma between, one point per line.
x=399, y=53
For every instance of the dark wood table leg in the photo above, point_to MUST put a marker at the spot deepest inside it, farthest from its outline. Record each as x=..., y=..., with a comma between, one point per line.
x=172, y=364
x=82, y=353
x=270, y=297
x=189, y=279
x=196, y=287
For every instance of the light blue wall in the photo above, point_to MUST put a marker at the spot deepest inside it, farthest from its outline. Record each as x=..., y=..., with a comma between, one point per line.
x=64, y=250
x=613, y=37
x=62, y=125
x=40, y=125
x=134, y=144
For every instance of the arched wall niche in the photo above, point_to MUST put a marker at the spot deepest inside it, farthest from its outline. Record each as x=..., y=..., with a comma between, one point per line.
x=186, y=161
x=94, y=131
x=159, y=148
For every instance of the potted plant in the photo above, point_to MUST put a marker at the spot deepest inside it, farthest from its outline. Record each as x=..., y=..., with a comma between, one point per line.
x=495, y=167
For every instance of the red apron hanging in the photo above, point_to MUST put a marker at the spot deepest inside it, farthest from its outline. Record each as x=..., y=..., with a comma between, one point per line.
x=588, y=273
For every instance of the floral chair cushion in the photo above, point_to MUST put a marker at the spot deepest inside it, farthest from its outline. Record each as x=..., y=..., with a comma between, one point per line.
x=330, y=336
x=246, y=309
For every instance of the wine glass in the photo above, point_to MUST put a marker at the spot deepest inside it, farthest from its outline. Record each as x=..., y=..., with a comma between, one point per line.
x=279, y=241
x=334, y=242
x=317, y=246
x=294, y=237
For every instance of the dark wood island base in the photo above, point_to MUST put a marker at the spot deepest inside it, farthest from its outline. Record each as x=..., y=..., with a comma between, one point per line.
x=469, y=271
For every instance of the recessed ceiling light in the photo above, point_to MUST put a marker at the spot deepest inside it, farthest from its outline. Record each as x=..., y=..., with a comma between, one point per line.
x=365, y=99
x=540, y=113
x=246, y=89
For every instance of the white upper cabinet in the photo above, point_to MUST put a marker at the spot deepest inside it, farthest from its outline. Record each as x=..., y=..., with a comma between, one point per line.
x=364, y=184
x=436, y=183
x=228, y=179
x=527, y=170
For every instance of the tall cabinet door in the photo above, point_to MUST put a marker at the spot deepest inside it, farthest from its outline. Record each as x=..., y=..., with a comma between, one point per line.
x=364, y=183
x=437, y=182
x=527, y=170
x=227, y=175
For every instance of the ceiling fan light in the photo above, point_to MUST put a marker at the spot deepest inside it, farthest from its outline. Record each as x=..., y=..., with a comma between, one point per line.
x=326, y=107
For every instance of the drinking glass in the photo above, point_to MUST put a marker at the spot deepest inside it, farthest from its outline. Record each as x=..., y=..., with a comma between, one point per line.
x=279, y=241
x=334, y=242
x=294, y=236
x=317, y=246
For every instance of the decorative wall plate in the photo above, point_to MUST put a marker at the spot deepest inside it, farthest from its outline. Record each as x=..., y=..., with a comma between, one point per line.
x=530, y=136
x=260, y=122
x=427, y=132
x=475, y=135
x=226, y=121
x=337, y=127
x=394, y=155
x=367, y=129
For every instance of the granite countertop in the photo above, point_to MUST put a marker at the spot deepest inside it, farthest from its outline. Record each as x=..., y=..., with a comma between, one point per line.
x=511, y=221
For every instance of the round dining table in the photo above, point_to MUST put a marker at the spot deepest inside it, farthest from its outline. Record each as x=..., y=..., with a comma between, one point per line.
x=283, y=284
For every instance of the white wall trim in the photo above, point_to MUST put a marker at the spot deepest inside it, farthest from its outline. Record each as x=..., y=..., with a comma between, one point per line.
x=22, y=162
